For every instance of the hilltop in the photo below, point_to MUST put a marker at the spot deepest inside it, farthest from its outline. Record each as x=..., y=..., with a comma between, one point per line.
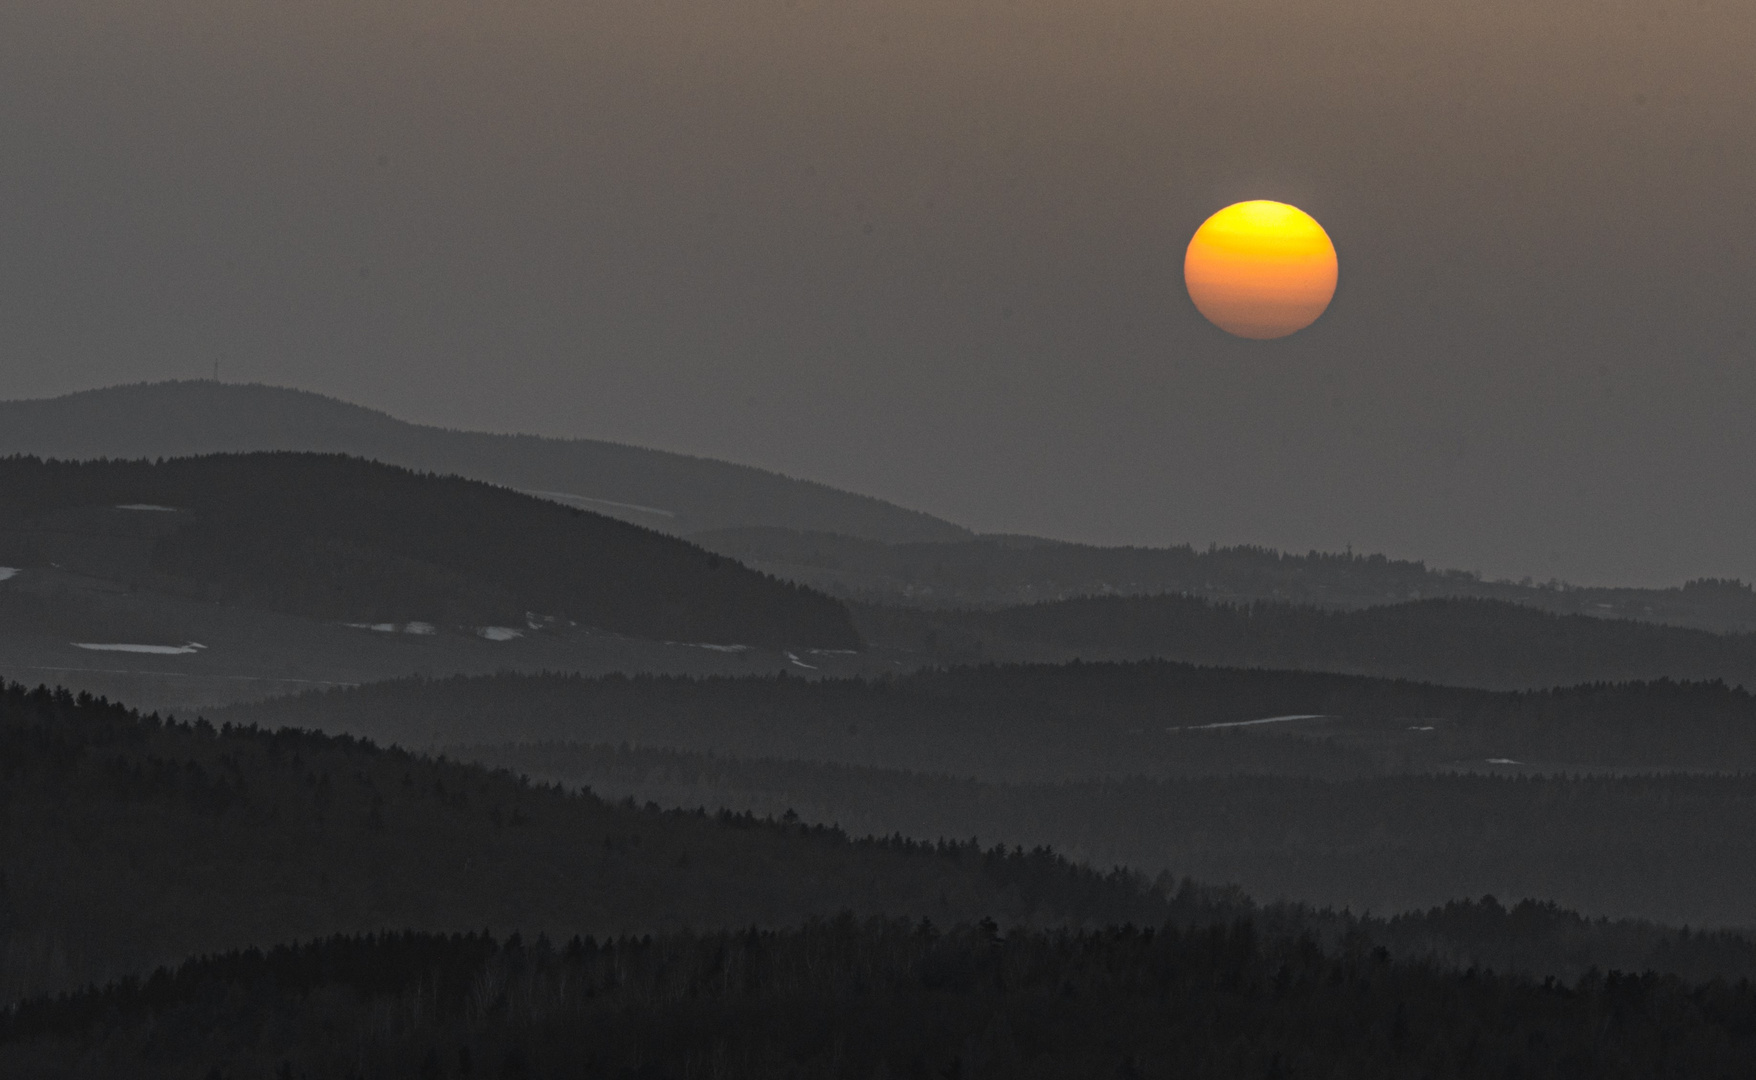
x=673, y=493
x=343, y=540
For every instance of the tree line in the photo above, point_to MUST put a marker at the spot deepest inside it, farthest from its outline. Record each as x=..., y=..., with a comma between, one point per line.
x=858, y=998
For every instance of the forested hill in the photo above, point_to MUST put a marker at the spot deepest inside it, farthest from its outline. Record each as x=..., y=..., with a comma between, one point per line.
x=1482, y=643
x=128, y=842
x=674, y=493
x=1062, y=722
x=337, y=538
x=877, y=998
x=1002, y=571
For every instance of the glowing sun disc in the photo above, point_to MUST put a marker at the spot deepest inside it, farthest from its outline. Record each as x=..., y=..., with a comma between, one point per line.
x=1260, y=269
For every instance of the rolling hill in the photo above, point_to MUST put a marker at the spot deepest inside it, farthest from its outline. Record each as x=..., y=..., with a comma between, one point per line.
x=344, y=540
x=850, y=545
x=1054, y=723
x=303, y=897
x=846, y=997
x=1624, y=800
x=673, y=493
x=1484, y=643
x=987, y=572
x=127, y=842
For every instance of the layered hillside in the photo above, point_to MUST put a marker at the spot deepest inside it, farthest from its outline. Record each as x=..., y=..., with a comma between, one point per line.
x=1065, y=722
x=1003, y=571
x=674, y=493
x=341, y=539
x=128, y=842
x=1484, y=643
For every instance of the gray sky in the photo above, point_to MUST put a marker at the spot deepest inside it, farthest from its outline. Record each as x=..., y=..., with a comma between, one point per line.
x=932, y=249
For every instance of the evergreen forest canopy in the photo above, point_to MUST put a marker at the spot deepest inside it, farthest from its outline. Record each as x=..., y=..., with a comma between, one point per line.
x=127, y=842
x=337, y=538
x=1486, y=643
x=131, y=842
x=854, y=998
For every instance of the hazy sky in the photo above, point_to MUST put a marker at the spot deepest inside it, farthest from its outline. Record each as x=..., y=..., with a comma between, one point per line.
x=932, y=249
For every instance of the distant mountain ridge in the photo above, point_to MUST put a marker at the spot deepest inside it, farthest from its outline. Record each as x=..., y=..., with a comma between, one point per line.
x=672, y=493
x=1006, y=571
x=852, y=546
x=1488, y=644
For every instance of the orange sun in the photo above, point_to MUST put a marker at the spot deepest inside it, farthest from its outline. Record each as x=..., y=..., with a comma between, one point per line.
x=1260, y=269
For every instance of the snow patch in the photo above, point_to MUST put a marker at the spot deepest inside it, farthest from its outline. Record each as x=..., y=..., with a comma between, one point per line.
x=719, y=648
x=499, y=633
x=1420, y=727
x=149, y=506
x=1503, y=761
x=154, y=650
x=794, y=658
x=587, y=500
x=392, y=628
x=1253, y=723
x=7, y=573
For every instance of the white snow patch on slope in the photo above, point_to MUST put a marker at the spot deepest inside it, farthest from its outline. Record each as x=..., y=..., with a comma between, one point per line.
x=794, y=658
x=718, y=648
x=154, y=650
x=7, y=573
x=422, y=628
x=499, y=633
x=1253, y=723
x=588, y=501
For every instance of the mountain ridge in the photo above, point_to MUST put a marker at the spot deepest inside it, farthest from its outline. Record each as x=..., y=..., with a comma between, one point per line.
x=663, y=490
x=353, y=541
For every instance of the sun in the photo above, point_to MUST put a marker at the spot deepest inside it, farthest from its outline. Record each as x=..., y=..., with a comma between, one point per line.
x=1260, y=269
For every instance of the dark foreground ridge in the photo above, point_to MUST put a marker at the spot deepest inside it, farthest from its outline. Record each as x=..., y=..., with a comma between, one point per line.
x=127, y=842
x=341, y=539
x=130, y=842
x=861, y=998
